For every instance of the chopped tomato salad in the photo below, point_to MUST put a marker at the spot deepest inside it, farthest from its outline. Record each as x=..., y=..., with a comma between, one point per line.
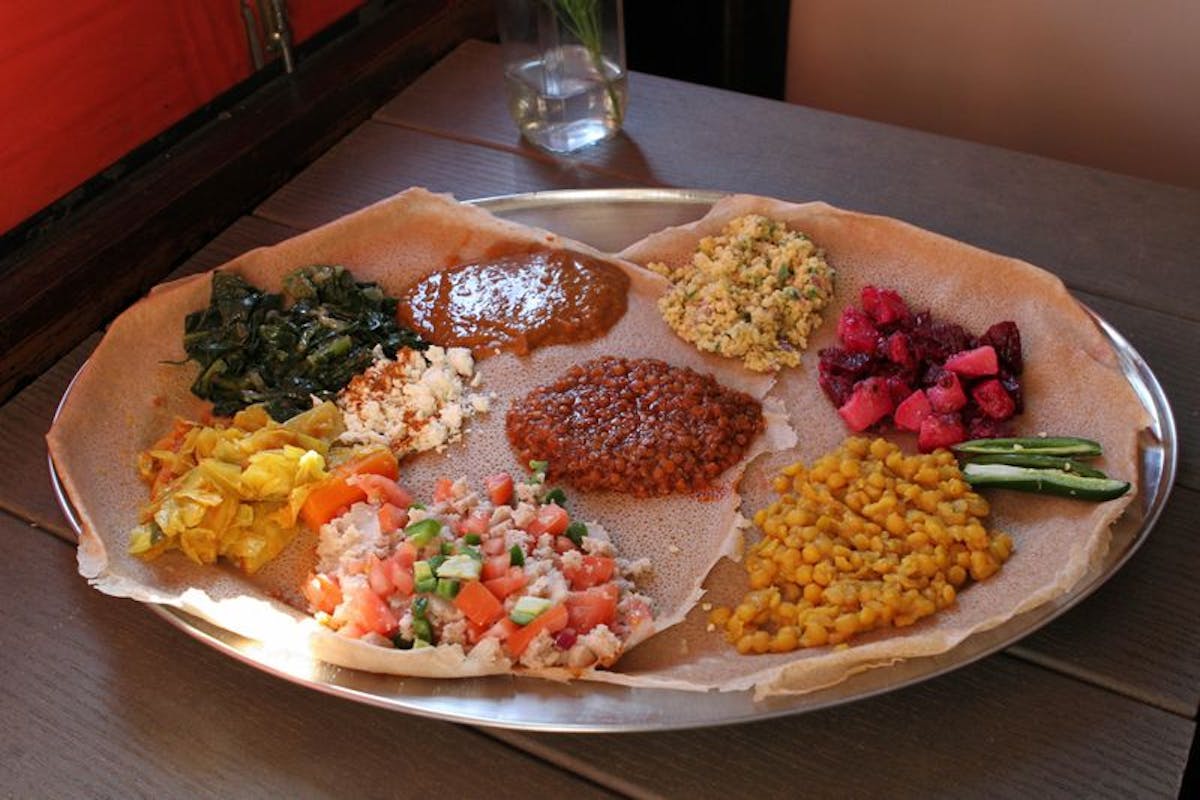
x=508, y=566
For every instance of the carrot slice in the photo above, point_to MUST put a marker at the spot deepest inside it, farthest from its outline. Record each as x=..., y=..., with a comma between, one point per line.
x=334, y=493
x=478, y=604
x=551, y=621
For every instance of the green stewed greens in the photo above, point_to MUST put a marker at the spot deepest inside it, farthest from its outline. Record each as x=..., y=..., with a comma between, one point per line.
x=284, y=349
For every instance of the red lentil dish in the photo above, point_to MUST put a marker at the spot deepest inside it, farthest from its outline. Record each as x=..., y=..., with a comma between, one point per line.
x=638, y=426
x=647, y=453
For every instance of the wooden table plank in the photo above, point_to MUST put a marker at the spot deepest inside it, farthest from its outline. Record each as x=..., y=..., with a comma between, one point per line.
x=100, y=698
x=1136, y=634
x=985, y=731
x=377, y=160
x=1171, y=346
x=1104, y=233
x=24, y=481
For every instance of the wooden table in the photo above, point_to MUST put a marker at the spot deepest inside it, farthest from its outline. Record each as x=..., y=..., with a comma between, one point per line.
x=98, y=697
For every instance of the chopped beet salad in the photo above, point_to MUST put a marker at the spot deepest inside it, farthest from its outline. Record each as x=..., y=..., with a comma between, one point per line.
x=927, y=376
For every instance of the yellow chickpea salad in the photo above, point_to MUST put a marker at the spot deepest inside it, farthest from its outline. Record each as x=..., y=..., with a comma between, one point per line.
x=754, y=292
x=865, y=538
x=506, y=569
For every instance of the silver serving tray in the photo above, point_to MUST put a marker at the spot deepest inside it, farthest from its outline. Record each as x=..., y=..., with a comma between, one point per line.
x=611, y=219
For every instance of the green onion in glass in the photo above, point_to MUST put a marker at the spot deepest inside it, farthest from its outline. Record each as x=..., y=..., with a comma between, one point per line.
x=564, y=70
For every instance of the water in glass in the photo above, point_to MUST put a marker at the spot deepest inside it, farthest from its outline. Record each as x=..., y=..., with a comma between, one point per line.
x=566, y=98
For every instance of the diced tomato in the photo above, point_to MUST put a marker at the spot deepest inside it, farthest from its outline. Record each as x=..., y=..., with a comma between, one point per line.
x=562, y=544
x=594, y=571
x=392, y=518
x=551, y=621
x=495, y=566
x=399, y=572
x=378, y=578
x=352, y=630
x=322, y=592
x=443, y=490
x=511, y=582
x=499, y=488
x=391, y=575
x=502, y=629
x=405, y=554
x=368, y=611
x=380, y=488
x=596, y=606
x=478, y=604
x=476, y=522
x=552, y=519
x=494, y=546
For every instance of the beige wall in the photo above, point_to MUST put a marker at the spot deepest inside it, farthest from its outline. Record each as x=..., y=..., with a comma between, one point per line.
x=1109, y=83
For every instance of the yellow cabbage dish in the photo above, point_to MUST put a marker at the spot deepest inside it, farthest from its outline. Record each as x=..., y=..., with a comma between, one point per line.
x=232, y=490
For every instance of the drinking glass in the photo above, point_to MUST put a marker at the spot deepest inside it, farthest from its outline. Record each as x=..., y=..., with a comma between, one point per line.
x=564, y=70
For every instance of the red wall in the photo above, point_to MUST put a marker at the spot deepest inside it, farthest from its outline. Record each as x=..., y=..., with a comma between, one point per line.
x=83, y=82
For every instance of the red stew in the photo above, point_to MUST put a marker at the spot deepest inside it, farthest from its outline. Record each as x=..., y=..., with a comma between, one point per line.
x=638, y=426
x=517, y=303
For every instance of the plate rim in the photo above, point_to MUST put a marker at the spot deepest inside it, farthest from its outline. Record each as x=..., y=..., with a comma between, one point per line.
x=1150, y=392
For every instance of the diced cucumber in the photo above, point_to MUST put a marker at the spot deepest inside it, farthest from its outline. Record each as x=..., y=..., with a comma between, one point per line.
x=423, y=577
x=447, y=588
x=527, y=609
x=422, y=533
x=1043, y=481
x=1035, y=445
x=472, y=538
x=460, y=566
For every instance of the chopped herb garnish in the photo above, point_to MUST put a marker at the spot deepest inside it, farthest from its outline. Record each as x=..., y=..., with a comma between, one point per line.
x=516, y=556
x=472, y=538
x=557, y=496
x=575, y=532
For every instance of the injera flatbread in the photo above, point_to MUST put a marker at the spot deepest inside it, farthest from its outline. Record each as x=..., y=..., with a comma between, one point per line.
x=1071, y=382
x=133, y=386
x=1072, y=387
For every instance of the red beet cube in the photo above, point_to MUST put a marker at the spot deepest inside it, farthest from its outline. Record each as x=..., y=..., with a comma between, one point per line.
x=1006, y=338
x=884, y=305
x=857, y=332
x=913, y=411
x=899, y=350
x=870, y=402
x=940, y=430
x=974, y=363
x=946, y=394
x=992, y=400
